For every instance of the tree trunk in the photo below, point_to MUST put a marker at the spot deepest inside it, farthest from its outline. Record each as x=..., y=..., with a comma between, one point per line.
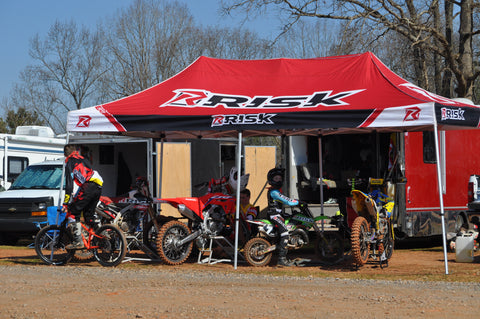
x=465, y=50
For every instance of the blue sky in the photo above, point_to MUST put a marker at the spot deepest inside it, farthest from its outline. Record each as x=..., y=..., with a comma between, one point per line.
x=20, y=20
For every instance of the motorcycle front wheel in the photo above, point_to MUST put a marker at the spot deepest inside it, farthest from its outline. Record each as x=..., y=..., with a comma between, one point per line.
x=50, y=244
x=253, y=252
x=360, y=241
x=388, y=246
x=169, y=235
x=111, y=245
x=329, y=247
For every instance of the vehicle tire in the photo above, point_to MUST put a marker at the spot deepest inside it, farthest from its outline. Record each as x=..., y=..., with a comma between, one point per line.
x=169, y=234
x=460, y=224
x=150, y=235
x=252, y=249
x=360, y=242
x=83, y=255
x=110, y=245
x=389, y=242
x=50, y=244
x=329, y=247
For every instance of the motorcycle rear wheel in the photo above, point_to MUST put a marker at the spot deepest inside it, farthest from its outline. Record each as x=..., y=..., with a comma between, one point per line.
x=252, y=249
x=169, y=234
x=112, y=245
x=360, y=242
x=150, y=235
x=50, y=244
x=329, y=247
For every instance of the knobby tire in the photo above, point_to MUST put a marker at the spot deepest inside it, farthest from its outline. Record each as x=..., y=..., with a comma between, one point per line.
x=360, y=243
x=252, y=249
x=169, y=234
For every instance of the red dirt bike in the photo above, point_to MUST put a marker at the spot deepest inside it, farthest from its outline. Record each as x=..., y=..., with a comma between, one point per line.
x=136, y=216
x=208, y=216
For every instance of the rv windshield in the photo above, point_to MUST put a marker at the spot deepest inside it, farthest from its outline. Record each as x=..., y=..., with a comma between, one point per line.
x=39, y=177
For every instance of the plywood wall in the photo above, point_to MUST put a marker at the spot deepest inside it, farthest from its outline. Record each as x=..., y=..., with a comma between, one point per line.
x=258, y=161
x=175, y=173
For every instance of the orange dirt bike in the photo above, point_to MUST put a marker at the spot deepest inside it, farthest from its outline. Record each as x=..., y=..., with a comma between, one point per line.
x=372, y=231
x=107, y=243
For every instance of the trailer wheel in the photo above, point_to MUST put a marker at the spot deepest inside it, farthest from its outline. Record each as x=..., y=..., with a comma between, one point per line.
x=461, y=223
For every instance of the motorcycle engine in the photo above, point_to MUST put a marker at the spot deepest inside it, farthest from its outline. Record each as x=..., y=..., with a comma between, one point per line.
x=216, y=220
x=130, y=221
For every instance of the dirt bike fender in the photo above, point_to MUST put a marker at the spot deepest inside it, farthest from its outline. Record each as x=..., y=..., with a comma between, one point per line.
x=259, y=222
x=192, y=203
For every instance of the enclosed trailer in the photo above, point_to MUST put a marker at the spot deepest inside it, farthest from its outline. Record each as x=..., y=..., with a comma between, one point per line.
x=406, y=160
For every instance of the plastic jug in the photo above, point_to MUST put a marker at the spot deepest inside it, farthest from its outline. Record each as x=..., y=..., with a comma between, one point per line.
x=464, y=248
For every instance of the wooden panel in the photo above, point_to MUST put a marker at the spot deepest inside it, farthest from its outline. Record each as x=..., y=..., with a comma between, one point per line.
x=258, y=161
x=175, y=174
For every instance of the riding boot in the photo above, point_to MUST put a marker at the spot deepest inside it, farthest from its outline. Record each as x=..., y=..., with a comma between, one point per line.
x=77, y=243
x=282, y=254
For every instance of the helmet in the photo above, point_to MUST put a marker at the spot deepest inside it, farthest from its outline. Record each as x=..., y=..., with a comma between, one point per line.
x=232, y=180
x=274, y=172
x=141, y=181
x=141, y=184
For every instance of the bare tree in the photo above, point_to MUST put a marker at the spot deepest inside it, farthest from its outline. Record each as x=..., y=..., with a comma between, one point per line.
x=145, y=44
x=309, y=39
x=426, y=25
x=232, y=43
x=68, y=64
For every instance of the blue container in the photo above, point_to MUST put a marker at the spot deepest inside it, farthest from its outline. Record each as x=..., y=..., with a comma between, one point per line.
x=52, y=215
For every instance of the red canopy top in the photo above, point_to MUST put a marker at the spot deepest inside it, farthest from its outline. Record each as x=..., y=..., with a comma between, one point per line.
x=290, y=95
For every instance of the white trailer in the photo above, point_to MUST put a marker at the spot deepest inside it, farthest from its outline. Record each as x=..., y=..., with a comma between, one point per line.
x=29, y=144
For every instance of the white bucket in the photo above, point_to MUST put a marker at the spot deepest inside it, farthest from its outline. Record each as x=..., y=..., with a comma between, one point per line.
x=464, y=248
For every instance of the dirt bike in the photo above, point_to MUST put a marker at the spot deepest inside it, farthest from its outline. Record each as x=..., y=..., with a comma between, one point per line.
x=107, y=243
x=210, y=215
x=136, y=216
x=258, y=250
x=372, y=231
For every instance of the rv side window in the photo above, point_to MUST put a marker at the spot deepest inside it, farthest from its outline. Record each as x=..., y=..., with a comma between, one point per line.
x=16, y=165
x=429, y=148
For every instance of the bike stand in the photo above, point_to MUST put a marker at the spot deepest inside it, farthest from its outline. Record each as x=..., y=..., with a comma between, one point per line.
x=223, y=243
x=132, y=241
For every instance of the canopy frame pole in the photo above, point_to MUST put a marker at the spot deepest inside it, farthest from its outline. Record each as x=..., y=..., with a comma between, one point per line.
x=440, y=195
x=237, y=208
x=320, y=178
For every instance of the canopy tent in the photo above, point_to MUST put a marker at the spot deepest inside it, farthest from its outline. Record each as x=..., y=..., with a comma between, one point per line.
x=217, y=98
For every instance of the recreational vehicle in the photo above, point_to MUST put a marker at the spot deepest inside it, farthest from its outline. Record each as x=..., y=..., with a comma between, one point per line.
x=29, y=144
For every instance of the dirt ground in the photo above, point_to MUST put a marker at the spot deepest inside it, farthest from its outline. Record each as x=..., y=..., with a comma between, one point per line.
x=413, y=285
